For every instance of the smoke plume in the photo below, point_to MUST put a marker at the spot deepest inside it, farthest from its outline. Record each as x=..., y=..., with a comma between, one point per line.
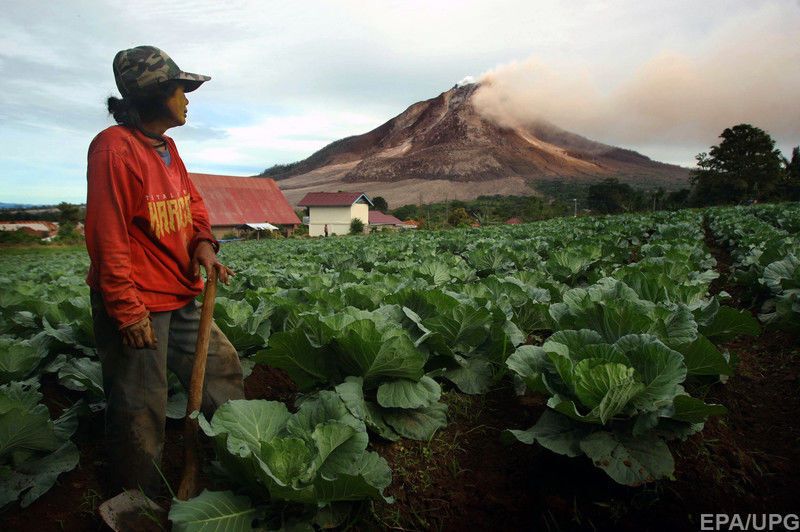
x=745, y=72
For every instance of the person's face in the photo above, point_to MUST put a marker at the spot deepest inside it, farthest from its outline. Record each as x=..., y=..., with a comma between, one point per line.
x=176, y=104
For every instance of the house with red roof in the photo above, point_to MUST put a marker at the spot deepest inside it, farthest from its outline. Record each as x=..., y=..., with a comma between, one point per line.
x=379, y=220
x=233, y=202
x=330, y=213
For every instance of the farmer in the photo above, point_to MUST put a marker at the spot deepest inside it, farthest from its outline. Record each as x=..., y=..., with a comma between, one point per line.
x=148, y=234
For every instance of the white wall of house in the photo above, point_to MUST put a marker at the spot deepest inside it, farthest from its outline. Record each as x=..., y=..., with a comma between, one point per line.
x=360, y=210
x=336, y=218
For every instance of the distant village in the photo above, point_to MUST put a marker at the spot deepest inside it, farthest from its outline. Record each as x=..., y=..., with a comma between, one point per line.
x=249, y=207
x=255, y=208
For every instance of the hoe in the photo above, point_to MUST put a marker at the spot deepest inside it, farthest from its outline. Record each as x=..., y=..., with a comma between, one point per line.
x=131, y=510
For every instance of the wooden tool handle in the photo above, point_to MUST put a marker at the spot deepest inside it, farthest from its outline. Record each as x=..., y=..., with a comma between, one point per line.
x=201, y=349
x=192, y=445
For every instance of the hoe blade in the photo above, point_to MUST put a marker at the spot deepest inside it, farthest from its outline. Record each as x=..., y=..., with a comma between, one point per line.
x=132, y=511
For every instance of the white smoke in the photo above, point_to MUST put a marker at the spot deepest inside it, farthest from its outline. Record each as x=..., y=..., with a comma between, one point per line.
x=467, y=80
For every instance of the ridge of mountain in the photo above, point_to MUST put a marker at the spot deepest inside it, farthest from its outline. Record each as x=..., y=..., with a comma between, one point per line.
x=444, y=144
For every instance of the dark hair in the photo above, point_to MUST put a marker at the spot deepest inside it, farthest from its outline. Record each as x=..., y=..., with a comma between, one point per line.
x=132, y=111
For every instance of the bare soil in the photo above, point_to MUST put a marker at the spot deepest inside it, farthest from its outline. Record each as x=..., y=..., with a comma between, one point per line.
x=409, y=191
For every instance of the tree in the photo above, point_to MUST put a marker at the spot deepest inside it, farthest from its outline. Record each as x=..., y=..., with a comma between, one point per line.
x=793, y=165
x=657, y=199
x=356, y=226
x=459, y=217
x=380, y=203
x=745, y=165
x=678, y=199
x=69, y=213
x=610, y=196
x=791, y=184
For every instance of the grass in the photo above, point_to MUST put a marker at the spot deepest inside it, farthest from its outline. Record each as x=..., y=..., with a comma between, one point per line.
x=44, y=249
x=90, y=500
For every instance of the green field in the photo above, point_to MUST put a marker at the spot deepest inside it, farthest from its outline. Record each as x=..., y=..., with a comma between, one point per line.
x=619, y=329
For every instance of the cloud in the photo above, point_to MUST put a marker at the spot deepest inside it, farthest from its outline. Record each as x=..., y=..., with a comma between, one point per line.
x=191, y=132
x=273, y=139
x=745, y=71
x=287, y=80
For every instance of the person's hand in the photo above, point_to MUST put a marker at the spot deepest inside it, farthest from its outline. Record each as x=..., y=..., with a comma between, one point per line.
x=140, y=335
x=204, y=256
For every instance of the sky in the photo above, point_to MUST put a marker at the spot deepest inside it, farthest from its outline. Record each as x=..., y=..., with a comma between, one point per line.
x=660, y=77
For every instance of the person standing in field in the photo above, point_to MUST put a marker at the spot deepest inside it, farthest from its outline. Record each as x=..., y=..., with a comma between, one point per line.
x=148, y=234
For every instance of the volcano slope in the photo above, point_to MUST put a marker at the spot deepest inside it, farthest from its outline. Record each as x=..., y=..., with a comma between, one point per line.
x=444, y=148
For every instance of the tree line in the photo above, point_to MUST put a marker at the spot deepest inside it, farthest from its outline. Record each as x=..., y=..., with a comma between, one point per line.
x=745, y=167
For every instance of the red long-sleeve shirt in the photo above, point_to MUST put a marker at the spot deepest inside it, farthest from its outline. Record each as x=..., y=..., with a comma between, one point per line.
x=143, y=221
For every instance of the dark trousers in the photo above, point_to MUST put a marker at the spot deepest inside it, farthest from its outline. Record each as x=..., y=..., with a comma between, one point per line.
x=135, y=383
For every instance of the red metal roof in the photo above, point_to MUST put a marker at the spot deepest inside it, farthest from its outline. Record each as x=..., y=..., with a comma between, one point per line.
x=378, y=218
x=238, y=200
x=331, y=199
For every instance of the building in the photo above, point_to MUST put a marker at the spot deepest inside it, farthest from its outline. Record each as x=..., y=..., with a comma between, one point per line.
x=379, y=220
x=330, y=213
x=236, y=201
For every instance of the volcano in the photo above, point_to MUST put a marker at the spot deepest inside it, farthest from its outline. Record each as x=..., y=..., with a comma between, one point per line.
x=444, y=148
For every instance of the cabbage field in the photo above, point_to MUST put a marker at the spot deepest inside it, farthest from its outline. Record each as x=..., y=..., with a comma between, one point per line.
x=577, y=373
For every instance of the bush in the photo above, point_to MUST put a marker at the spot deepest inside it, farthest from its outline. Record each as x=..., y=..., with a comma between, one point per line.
x=18, y=237
x=407, y=211
x=356, y=226
x=609, y=196
x=68, y=234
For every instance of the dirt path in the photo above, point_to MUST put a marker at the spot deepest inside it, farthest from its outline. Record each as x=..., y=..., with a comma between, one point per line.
x=762, y=430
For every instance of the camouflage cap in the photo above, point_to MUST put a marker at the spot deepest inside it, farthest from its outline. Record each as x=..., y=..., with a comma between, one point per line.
x=141, y=69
